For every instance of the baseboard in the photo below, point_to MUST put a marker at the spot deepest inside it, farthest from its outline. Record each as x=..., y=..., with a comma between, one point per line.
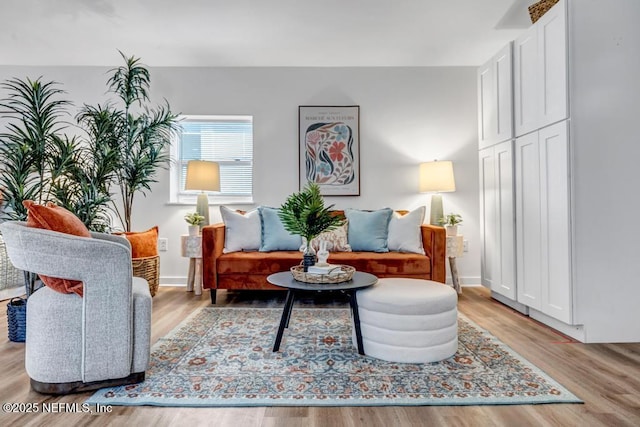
x=465, y=281
x=510, y=303
x=574, y=331
x=173, y=281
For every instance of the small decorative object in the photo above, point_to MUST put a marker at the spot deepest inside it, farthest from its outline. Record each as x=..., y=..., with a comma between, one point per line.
x=323, y=253
x=17, y=319
x=194, y=219
x=450, y=222
x=538, y=9
x=335, y=274
x=304, y=214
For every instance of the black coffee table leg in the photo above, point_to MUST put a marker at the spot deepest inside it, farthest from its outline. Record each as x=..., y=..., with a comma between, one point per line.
x=356, y=321
x=284, y=320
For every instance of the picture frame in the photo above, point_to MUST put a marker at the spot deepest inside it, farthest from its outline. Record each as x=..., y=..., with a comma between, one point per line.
x=329, y=148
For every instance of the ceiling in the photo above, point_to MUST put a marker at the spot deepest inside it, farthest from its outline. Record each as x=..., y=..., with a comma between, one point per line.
x=258, y=32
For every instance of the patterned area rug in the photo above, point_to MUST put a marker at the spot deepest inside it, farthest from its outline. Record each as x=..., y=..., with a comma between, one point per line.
x=223, y=357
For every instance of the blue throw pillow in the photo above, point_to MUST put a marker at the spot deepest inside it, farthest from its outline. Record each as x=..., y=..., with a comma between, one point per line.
x=274, y=237
x=368, y=230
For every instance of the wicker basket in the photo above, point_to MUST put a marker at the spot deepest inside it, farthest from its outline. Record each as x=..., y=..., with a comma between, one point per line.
x=10, y=277
x=345, y=274
x=17, y=319
x=538, y=9
x=149, y=269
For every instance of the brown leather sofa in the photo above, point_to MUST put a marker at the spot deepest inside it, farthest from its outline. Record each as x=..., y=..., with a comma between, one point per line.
x=249, y=270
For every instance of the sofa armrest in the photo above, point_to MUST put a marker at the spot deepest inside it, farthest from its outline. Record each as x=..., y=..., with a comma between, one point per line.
x=212, y=246
x=434, y=240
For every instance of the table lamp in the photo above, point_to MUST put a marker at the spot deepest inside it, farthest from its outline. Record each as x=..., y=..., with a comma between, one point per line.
x=436, y=177
x=204, y=176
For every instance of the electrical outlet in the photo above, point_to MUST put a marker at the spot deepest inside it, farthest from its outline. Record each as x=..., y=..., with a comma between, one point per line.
x=163, y=244
x=465, y=246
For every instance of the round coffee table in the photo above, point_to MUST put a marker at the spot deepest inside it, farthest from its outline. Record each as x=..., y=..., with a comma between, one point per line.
x=285, y=279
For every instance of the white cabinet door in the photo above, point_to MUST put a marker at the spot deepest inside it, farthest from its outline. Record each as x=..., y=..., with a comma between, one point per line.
x=528, y=221
x=505, y=283
x=543, y=222
x=552, y=66
x=497, y=253
x=556, y=292
x=487, y=217
x=495, y=99
x=503, y=84
x=525, y=75
x=540, y=72
x=486, y=106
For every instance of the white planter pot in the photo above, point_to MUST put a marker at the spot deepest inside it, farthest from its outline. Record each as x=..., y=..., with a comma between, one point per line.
x=194, y=230
x=452, y=230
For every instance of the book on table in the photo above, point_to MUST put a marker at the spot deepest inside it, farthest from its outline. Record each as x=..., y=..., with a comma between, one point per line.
x=328, y=269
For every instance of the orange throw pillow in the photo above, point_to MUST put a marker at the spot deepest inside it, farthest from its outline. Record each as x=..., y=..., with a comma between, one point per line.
x=144, y=243
x=56, y=218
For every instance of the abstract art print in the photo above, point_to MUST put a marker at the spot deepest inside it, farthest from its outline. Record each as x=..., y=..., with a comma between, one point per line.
x=329, y=145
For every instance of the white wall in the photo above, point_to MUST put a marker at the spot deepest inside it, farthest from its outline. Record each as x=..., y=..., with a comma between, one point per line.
x=407, y=116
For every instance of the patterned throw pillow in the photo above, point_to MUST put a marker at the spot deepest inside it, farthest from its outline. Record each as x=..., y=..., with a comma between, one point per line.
x=336, y=238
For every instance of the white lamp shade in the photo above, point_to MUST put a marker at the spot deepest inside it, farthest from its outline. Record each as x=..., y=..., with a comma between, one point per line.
x=437, y=177
x=202, y=175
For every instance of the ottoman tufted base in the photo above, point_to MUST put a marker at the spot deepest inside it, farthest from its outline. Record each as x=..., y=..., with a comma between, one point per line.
x=409, y=320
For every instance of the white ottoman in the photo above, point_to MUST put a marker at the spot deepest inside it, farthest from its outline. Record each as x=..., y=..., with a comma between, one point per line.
x=408, y=320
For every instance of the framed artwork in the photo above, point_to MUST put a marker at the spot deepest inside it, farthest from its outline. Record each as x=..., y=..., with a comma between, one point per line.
x=329, y=148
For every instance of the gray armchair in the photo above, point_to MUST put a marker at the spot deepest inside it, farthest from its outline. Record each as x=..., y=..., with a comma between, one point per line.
x=78, y=343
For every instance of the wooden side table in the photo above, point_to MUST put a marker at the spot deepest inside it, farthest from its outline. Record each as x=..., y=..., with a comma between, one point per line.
x=192, y=249
x=455, y=249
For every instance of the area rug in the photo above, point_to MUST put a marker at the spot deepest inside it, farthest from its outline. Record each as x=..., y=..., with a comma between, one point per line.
x=223, y=357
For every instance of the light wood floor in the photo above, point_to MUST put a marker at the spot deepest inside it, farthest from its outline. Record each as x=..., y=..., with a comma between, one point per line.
x=605, y=376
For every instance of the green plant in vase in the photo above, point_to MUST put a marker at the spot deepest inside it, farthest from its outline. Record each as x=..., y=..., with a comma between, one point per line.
x=451, y=222
x=194, y=219
x=305, y=214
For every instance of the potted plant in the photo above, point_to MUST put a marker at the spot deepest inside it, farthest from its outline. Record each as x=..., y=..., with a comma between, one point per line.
x=138, y=135
x=451, y=222
x=194, y=219
x=305, y=214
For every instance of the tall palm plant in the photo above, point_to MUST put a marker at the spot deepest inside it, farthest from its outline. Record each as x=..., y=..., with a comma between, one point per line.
x=136, y=135
x=42, y=164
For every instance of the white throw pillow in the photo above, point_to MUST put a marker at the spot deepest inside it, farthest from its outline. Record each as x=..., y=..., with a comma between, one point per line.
x=242, y=231
x=404, y=231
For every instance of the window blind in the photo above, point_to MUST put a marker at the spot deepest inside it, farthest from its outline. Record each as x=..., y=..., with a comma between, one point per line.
x=227, y=140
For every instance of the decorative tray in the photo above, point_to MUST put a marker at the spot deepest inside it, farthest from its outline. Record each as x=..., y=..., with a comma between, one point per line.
x=341, y=273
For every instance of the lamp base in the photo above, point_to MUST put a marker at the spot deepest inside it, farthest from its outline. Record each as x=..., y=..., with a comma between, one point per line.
x=202, y=208
x=436, y=209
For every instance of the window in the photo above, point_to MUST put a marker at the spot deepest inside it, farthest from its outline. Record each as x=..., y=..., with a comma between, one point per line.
x=227, y=140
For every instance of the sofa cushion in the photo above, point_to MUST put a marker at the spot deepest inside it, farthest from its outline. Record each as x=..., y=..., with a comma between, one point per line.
x=57, y=218
x=241, y=231
x=369, y=230
x=274, y=237
x=337, y=238
x=390, y=263
x=404, y=231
